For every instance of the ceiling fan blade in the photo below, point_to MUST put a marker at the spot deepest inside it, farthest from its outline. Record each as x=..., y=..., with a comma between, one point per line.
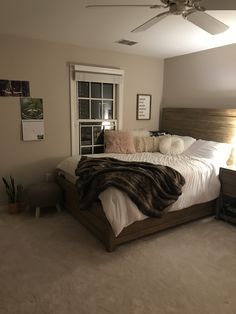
x=152, y=6
x=206, y=22
x=151, y=22
x=219, y=4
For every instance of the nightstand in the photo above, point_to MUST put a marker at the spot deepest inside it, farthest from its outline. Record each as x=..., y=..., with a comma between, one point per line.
x=227, y=204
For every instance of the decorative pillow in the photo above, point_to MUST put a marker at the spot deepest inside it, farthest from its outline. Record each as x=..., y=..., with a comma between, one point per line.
x=140, y=132
x=171, y=145
x=188, y=141
x=156, y=141
x=120, y=142
x=146, y=144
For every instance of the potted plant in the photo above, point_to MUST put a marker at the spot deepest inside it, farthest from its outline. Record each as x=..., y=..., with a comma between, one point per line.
x=14, y=193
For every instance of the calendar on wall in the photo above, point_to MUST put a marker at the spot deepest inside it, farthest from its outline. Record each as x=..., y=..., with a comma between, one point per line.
x=33, y=130
x=32, y=119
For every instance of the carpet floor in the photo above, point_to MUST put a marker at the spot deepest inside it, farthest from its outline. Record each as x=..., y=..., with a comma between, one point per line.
x=52, y=265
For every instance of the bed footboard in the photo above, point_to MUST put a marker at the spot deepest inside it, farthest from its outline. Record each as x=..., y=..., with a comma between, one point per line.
x=96, y=222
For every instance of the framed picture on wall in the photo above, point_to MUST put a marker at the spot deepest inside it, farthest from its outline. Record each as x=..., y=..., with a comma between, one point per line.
x=31, y=108
x=143, y=107
x=14, y=88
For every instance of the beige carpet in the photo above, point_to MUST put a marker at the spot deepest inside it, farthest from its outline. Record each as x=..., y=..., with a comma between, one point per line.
x=53, y=265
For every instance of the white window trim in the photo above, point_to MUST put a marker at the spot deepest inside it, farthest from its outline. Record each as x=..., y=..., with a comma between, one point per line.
x=93, y=69
x=73, y=99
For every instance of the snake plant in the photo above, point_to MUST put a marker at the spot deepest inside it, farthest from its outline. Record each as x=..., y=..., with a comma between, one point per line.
x=14, y=192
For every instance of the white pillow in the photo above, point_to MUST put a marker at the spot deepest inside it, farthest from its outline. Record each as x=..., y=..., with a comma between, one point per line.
x=171, y=145
x=140, y=132
x=188, y=141
x=215, y=151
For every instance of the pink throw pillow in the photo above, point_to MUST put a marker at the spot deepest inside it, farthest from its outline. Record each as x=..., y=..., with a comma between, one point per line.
x=120, y=142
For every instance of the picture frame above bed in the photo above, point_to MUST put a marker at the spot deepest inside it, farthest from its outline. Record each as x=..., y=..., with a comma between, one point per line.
x=143, y=107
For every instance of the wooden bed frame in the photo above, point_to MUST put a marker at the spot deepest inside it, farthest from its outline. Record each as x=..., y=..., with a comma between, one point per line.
x=210, y=124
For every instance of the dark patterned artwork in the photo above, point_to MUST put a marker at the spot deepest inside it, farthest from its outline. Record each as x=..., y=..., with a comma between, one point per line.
x=31, y=108
x=14, y=88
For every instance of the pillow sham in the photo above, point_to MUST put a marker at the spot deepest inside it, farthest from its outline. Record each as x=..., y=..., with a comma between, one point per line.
x=211, y=150
x=120, y=142
x=146, y=144
x=171, y=145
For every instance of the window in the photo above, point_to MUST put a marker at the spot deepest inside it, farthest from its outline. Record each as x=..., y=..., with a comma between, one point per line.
x=92, y=136
x=96, y=102
x=96, y=106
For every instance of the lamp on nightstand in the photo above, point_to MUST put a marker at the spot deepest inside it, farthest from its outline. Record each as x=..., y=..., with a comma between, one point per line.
x=234, y=150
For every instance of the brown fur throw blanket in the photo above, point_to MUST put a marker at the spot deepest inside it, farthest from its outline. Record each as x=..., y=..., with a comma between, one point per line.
x=151, y=187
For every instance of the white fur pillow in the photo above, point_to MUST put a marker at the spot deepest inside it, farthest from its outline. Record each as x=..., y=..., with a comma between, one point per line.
x=188, y=141
x=171, y=145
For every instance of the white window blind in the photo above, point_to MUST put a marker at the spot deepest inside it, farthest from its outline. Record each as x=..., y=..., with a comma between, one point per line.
x=98, y=77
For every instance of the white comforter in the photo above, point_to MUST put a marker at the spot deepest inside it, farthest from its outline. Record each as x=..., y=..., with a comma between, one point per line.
x=201, y=176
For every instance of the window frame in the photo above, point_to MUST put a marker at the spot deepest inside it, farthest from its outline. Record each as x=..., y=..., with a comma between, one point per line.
x=117, y=105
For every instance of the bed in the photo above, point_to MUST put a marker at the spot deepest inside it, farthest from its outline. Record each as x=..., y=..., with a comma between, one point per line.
x=221, y=125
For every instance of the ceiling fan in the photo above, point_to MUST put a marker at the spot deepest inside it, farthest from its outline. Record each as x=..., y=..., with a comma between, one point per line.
x=190, y=10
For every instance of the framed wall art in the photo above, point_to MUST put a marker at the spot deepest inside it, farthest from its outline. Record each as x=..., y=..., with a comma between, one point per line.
x=14, y=88
x=31, y=108
x=143, y=107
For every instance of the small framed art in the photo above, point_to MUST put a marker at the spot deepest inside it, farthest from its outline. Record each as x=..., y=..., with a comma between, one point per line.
x=143, y=107
x=14, y=88
x=31, y=108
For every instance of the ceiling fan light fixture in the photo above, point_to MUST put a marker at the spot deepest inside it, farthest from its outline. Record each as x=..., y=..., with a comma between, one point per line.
x=206, y=22
x=104, y=5
x=151, y=22
x=192, y=10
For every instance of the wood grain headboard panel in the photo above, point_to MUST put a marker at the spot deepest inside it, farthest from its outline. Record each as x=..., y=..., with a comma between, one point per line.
x=208, y=124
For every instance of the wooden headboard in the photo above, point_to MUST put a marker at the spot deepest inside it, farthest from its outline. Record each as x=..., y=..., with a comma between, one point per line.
x=208, y=124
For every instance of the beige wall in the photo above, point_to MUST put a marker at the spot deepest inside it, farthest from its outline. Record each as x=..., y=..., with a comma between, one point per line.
x=203, y=79
x=44, y=64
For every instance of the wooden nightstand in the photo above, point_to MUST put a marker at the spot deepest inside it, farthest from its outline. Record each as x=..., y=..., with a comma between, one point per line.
x=227, y=204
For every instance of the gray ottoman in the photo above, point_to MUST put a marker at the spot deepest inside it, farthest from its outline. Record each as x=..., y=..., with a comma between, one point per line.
x=45, y=194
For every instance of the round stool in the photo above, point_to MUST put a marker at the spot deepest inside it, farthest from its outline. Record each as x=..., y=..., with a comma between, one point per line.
x=45, y=194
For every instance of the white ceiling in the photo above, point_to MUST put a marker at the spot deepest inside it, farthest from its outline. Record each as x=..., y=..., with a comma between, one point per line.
x=68, y=21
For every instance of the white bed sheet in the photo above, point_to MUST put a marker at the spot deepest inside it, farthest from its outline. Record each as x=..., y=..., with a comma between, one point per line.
x=201, y=176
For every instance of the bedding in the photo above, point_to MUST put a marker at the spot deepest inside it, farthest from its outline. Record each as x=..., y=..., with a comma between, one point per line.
x=188, y=141
x=151, y=187
x=140, y=133
x=201, y=176
x=146, y=144
x=215, y=151
x=119, y=142
x=171, y=145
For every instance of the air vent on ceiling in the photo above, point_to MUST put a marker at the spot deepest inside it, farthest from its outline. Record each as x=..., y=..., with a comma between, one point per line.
x=126, y=42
